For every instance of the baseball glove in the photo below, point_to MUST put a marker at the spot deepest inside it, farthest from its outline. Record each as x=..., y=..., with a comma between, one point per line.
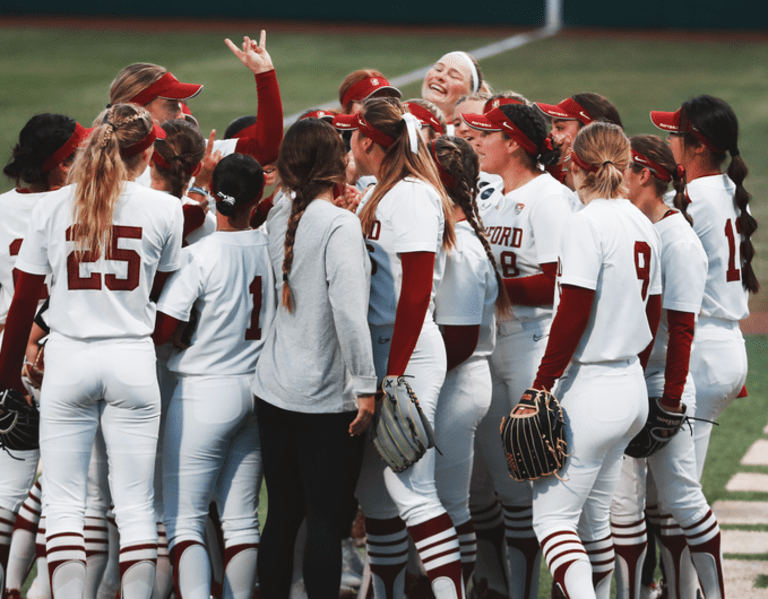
x=659, y=429
x=535, y=442
x=19, y=422
x=400, y=431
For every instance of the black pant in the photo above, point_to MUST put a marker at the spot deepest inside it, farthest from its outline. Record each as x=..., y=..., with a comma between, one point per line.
x=311, y=466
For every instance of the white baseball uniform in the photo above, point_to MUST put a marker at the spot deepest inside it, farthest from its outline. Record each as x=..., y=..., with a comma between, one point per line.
x=100, y=362
x=524, y=229
x=612, y=248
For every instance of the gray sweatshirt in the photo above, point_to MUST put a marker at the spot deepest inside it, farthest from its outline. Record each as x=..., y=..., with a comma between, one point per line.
x=318, y=358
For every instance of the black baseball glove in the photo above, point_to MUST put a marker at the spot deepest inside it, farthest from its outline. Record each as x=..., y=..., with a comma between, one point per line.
x=659, y=429
x=19, y=422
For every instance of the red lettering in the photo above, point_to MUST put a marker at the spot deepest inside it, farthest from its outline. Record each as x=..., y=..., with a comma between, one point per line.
x=517, y=237
x=131, y=257
x=253, y=332
x=508, y=262
x=733, y=273
x=643, y=265
x=375, y=230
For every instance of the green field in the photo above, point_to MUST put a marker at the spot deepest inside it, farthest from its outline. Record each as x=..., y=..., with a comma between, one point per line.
x=69, y=71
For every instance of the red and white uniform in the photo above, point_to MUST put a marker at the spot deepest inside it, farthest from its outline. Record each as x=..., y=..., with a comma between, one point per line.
x=226, y=281
x=611, y=248
x=466, y=297
x=100, y=361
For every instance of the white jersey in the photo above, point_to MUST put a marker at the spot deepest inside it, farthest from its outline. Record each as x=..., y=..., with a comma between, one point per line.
x=524, y=231
x=107, y=298
x=490, y=192
x=683, y=275
x=467, y=293
x=715, y=220
x=16, y=208
x=409, y=218
x=612, y=248
x=226, y=281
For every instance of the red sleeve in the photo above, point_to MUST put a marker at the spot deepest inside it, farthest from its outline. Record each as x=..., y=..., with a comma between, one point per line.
x=568, y=326
x=412, y=307
x=262, y=139
x=653, y=313
x=194, y=217
x=681, y=326
x=29, y=289
x=534, y=290
x=259, y=214
x=165, y=326
x=158, y=284
x=460, y=342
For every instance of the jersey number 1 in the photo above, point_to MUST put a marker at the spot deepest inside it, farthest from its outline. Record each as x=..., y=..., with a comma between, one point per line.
x=253, y=332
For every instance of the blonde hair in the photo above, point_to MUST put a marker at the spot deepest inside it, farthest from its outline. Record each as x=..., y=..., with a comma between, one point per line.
x=605, y=146
x=133, y=80
x=99, y=172
x=386, y=115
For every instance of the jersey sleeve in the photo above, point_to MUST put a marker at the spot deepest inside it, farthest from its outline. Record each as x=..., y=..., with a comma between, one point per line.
x=181, y=289
x=416, y=219
x=171, y=254
x=33, y=254
x=581, y=253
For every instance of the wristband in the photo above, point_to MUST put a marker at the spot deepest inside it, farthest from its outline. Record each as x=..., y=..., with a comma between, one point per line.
x=200, y=190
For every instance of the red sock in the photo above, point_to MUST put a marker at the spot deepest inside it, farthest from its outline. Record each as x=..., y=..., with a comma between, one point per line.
x=438, y=546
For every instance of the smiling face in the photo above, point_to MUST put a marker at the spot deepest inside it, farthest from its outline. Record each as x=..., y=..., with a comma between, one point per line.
x=446, y=82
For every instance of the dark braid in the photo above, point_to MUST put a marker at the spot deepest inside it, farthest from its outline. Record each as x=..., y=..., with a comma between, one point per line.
x=532, y=123
x=716, y=122
x=459, y=160
x=312, y=160
x=183, y=148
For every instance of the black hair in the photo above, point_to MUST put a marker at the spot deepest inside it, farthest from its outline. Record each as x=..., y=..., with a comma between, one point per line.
x=240, y=123
x=534, y=125
x=237, y=180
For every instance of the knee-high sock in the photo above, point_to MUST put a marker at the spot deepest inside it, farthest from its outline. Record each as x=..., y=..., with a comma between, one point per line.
x=567, y=560
x=630, y=542
x=191, y=570
x=387, y=547
x=137, y=570
x=602, y=557
x=490, y=570
x=679, y=574
x=163, y=571
x=239, y=570
x=468, y=549
x=438, y=546
x=523, y=552
x=96, y=553
x=703, y=538
x=66, y=564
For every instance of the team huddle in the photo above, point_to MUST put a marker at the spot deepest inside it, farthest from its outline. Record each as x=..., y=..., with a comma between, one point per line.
x=171, y=338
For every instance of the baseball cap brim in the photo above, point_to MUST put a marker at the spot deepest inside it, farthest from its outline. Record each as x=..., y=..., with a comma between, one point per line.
x=319, y=114
x=666, y=121
x=480, y=122
x=555, y=111
x=346, y=122
x=181, y=91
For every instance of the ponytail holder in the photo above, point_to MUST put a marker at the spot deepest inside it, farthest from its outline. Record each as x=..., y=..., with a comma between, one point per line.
x=445, y=177
x=735, y=152
x=681, y=171
x=413, y=125
x=285, y=277
x=607, y=162
x=224, y=199
x=548, y=143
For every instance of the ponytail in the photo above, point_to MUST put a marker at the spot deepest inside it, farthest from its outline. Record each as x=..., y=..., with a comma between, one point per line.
x=737, y=171
x=601, y=150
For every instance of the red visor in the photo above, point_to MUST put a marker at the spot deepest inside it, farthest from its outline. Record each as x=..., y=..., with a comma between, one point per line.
x=363, y=90
x=167, y=87
x=424, y=116
x=496, y=102
x=352, y=122
x=156, y=132
x=656, y=169
x=319, y=114
x=670, y=122
x=496, y=120
x=568, y=110
x=80, y=133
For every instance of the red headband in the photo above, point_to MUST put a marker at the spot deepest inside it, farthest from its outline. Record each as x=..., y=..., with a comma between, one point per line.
x=162, y=163
x=155, y=132
x=167, y=87
x=350, y=122
x=498, y=117
x=365, y=88
x=583, y=164
x=78, y=135
x=445, y=176
x=656, y=169
x=425, y=116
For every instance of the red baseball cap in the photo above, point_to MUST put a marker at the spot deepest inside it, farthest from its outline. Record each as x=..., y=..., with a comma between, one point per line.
x=362, y=90
x=167, y=87
x=567, y=110
x=496, y=120
x=353, y=122
x=424, y=116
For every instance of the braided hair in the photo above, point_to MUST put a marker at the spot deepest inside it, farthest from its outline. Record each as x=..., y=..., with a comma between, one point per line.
x=716, y=122
x=533, y=124
x=312, y=160
x=460, y=161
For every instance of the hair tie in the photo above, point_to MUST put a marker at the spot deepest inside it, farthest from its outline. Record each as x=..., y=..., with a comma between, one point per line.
x=607, y=162
x=285, y=277
x=548, y=144
x=445, y=177
x=735, y=153
x=109, y=105
x=681, y=171
x=224, y=198
x=413, y=125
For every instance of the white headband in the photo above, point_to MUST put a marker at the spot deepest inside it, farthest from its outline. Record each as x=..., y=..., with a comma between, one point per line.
x=472, y=69
x=413, y=125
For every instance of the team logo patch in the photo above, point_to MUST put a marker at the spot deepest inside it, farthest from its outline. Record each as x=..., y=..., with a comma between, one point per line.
x=486, y=194
x=519, y=207
x=374, y=81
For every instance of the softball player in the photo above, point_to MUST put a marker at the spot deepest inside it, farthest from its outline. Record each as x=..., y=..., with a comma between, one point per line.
x=701, y=134
x=407, y=224
x=684, y=272
x=607, y=310
x=315, y=379
x=212, y=449
x=105, y=245
x=465, y=308
x=360, y=85
x=524, y=231
x=451, y=77
x=39, y=163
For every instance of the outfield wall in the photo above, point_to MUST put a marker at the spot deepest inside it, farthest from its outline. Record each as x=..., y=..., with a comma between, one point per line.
x=686, y=14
